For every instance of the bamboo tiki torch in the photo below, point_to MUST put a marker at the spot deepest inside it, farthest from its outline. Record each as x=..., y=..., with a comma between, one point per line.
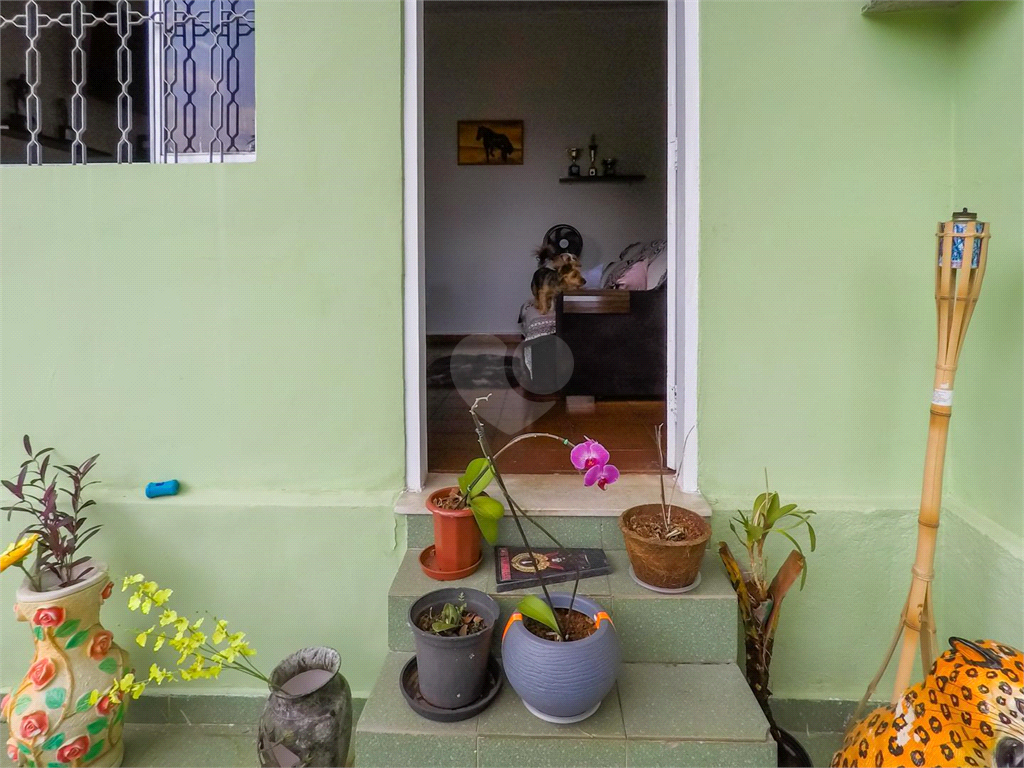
x=960, y=268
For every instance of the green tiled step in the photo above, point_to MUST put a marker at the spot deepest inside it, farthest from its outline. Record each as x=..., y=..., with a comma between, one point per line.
x=657, y=715
x=573, y=531
x=698, y=627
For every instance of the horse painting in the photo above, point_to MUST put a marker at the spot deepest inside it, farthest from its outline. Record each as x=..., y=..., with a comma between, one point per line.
x=490, y=142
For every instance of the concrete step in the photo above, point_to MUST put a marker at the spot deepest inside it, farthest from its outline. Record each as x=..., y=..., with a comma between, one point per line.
x=657, y=715
x=695, y=628
x=573, y=531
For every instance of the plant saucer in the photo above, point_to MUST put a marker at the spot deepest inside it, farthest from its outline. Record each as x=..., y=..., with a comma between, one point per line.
x=665, y=590
x=408, y=681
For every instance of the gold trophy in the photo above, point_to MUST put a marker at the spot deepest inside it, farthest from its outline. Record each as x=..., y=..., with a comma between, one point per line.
x=574, y=154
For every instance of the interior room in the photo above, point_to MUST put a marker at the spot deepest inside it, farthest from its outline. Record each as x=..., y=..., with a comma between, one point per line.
x=559, y=77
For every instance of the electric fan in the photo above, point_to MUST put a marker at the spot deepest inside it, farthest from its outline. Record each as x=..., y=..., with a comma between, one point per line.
x=565, y=238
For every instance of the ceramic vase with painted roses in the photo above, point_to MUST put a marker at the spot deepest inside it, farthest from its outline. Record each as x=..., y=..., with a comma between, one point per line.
x=51, y=720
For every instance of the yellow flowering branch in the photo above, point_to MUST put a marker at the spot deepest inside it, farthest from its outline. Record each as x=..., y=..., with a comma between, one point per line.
x=209, y=654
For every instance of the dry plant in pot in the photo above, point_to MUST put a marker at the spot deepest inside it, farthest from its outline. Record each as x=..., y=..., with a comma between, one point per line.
x=52, y=719
x=665, y=543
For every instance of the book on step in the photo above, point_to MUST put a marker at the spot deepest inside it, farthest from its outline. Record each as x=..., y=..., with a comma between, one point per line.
x=513, y=566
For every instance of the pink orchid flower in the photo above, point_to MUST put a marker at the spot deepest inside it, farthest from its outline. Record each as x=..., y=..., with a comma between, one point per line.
x=589, y=454
x=602, y=475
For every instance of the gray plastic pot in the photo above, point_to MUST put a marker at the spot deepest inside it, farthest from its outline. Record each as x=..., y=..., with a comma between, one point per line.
x=453, y=670
x=562, y=682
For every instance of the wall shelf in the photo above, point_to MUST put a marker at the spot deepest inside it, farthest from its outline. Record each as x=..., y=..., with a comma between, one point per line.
x=621, y=178
x=887, y=6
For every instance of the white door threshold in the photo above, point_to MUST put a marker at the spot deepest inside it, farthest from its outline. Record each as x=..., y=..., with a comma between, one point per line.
x=565, y=496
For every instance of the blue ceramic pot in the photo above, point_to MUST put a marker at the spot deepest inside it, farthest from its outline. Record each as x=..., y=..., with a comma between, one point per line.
x=562, y=682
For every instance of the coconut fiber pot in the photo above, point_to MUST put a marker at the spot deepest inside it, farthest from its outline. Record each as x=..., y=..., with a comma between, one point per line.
x=664, y=564
x=562, y=682
x=456, y=537
x=453, y=670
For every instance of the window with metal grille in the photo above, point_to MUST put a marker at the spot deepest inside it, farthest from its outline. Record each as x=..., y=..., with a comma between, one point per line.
x=127, y=81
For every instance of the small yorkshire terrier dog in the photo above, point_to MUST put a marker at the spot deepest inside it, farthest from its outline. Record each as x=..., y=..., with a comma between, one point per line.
x=550, y=257
x=548, y=282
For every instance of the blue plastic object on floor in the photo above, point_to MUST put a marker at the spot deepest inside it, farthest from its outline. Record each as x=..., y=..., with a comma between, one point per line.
x=166, y=488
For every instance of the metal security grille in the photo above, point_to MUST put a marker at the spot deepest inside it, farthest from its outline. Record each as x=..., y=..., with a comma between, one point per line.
x=128, y=81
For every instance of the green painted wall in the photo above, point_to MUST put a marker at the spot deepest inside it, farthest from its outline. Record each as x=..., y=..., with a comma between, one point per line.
x=987, y=430
x=825, y=146
x=239, y=328
x=831, y=144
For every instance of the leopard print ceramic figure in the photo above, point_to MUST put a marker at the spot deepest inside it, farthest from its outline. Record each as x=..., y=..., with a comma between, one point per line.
x=969, y=711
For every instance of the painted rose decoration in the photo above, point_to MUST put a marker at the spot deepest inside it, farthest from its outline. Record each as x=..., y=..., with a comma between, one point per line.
x=100, y=645
x=104, y=706
x=107, y=590
x=49, y=617
x=73, y=750
x=34, y=724
x=12, y=751
x=41, y=672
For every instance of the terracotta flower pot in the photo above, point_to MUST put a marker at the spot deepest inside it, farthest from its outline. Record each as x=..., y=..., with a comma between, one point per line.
x=659, y=563
x=51, y=719
x=456, y=550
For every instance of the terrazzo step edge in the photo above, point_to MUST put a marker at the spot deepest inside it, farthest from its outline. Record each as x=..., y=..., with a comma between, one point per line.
x=573, y=531
x=699, y=627
x=657, y=715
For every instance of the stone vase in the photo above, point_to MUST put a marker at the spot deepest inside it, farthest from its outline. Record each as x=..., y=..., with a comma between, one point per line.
x=51, y=720
x=307, y=720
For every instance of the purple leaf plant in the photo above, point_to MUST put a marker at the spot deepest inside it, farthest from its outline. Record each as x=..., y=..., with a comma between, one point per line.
x=58, y=522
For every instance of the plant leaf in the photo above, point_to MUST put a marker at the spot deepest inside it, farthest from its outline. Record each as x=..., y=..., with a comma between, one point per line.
x=28, y=445
x=487, y=512
x=477, y=468
x=55, y=697
x=54, y=741
x=67, y=628
x=77, y=639
x=94, y=750
x=538, y=610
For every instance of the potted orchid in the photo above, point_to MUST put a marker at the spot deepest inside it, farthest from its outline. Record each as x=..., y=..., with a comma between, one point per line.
x=463, y=513
x=52, y=720
x=543, y=639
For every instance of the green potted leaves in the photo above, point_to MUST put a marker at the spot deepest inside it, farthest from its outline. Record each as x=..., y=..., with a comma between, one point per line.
x=760, y=601
x=452, y=629
x=460, y=516
x=52, y=719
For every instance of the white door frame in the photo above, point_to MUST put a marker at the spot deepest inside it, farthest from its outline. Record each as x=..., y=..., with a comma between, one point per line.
x=683, y=196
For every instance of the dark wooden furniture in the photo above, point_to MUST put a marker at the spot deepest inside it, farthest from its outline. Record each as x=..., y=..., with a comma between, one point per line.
x=617, y=341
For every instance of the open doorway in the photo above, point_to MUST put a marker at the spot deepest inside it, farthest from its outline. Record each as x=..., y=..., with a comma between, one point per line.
x=508, y=89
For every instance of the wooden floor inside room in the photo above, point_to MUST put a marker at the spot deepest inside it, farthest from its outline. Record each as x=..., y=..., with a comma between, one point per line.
x=625, y=427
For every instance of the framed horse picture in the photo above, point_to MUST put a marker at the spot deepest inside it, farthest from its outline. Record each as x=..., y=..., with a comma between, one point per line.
x=490, y=142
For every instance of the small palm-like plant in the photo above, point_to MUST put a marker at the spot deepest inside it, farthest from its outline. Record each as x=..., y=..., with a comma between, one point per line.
x=760, y=600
